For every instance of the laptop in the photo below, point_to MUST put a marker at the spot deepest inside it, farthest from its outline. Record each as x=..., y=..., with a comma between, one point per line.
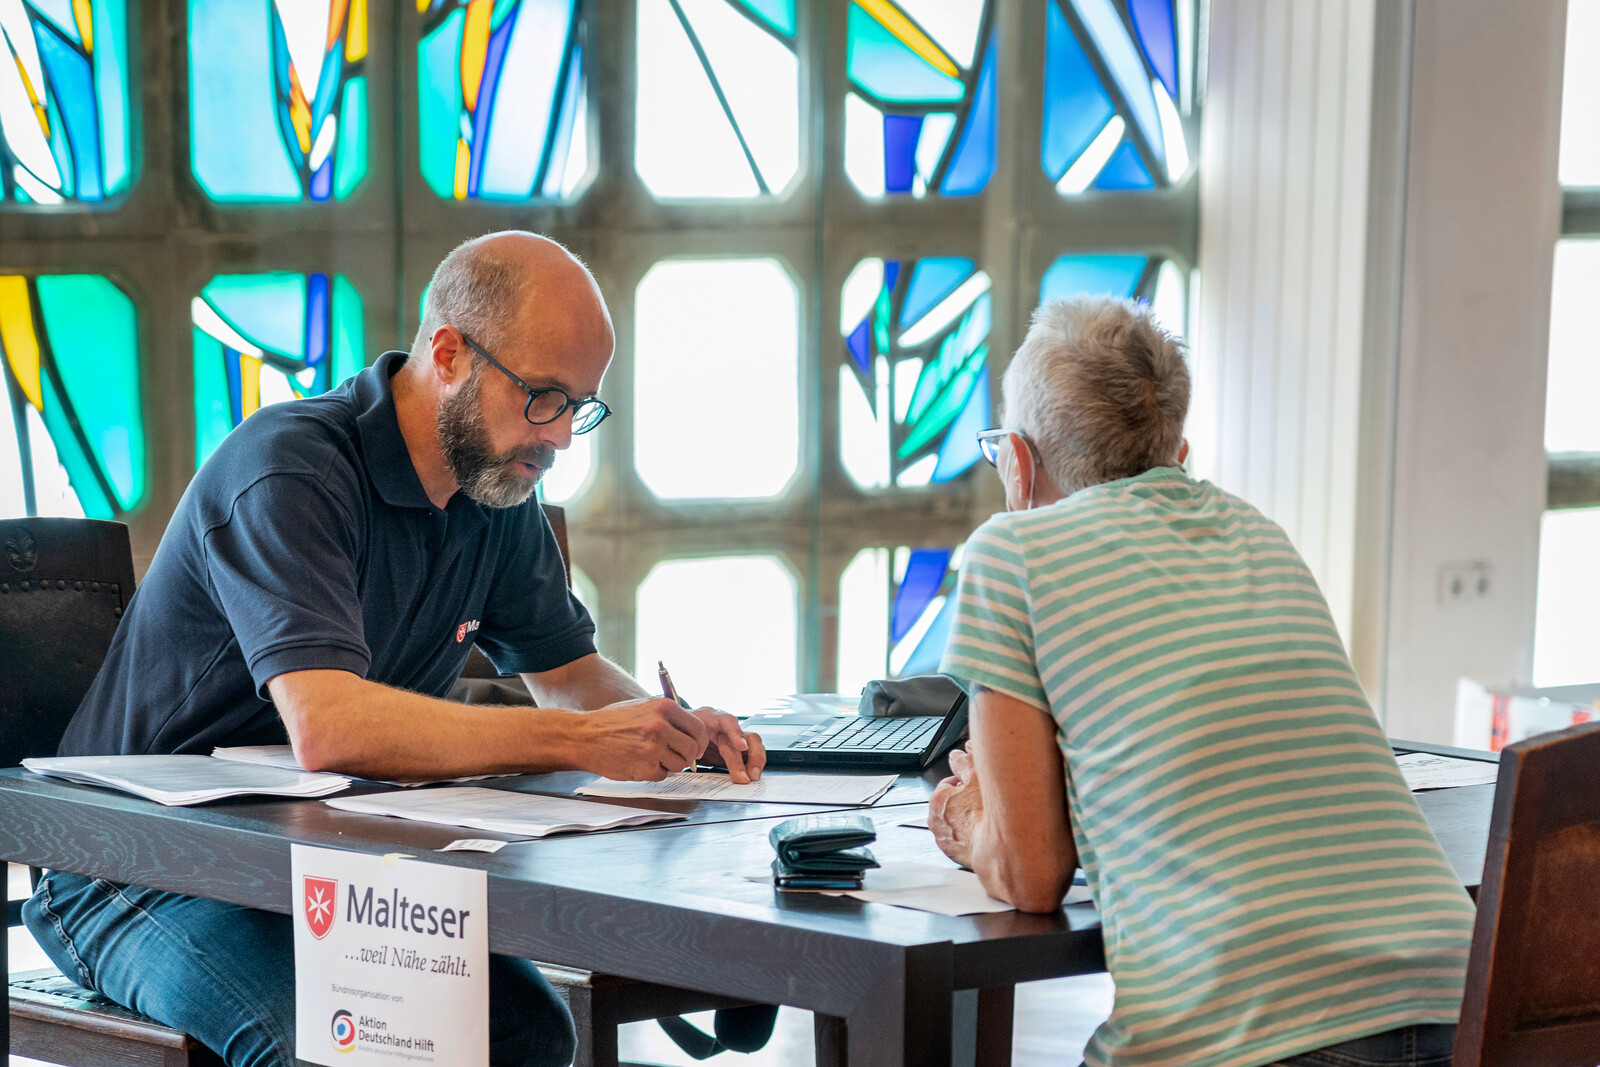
x=826, y=730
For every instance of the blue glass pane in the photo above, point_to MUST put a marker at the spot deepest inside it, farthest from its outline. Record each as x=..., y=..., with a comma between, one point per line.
x=493, y=60
x=779, y=14
x=860, y=345
x=1121, y=56
x=932, y=279
x=237, y=150
x=930, y=650
x=111, y=79
x=900, y=133
x=526, y=90
x=1092, y=276
x=1076, y=106
x=59, y=12
x=1152, y=21
x=975, y=156
x=74, y=95
x=560, y=146
x=316, y=346
x=924, y=575
x=960, y=448
x=881, y=64
x=1125, y=170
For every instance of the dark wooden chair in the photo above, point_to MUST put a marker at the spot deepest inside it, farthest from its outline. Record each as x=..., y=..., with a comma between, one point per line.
x=1533, y=979
x=64, y=584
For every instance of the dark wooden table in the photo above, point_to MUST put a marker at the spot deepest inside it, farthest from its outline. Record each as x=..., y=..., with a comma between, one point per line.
x=671, y=904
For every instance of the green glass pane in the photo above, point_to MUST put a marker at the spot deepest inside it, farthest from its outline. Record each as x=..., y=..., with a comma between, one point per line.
x=349, y=340
x=439, y=103
x=212, y=418
x=947, y=404
x=94, y=337
x=779, y=14
x=350, y=161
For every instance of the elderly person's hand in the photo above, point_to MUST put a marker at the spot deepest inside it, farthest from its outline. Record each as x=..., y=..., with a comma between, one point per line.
x=956, y=807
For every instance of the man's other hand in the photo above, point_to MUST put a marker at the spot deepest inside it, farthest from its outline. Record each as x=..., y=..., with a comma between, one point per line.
x=742, y=753
x=643, y=740
x=955, y=808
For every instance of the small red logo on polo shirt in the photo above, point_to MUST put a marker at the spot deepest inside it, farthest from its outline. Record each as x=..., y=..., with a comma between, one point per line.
x=464, y=629
x=321, y=900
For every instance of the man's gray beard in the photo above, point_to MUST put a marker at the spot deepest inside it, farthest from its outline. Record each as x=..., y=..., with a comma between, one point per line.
x=492, y=480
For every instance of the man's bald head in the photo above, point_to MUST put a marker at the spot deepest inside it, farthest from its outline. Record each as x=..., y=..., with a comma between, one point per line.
x=496, y=287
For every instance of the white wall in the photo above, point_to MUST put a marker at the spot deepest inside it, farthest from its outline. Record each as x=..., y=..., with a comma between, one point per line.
x=1482, y=214
x=1283, y=253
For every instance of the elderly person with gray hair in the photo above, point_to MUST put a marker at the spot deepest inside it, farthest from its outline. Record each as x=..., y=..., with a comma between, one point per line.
x=1159, y=695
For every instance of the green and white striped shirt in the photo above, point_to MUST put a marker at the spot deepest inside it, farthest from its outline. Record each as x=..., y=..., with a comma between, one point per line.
x=1265, y=880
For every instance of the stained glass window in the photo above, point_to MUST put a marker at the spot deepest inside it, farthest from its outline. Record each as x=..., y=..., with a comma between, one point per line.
x=72, y=434
x=718, y=106
x=263, y=338
x=914, y=381
x=724, y=626
x=1115, y=87
x=716, y=368
x=278, y=98
x=502, y=99
x=895, y=610
x=1149, y=279
x=63, y=100
x=920, y=112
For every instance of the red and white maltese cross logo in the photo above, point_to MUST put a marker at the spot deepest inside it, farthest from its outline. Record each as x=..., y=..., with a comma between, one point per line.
x=321, y=903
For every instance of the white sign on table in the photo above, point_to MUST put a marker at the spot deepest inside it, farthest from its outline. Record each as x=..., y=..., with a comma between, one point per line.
x=391, y=960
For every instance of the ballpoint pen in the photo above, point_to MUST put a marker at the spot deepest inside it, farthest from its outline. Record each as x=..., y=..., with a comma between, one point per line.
x=670, y=691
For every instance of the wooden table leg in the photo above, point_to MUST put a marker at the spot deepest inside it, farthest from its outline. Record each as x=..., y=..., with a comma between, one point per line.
x=996, y=1011
x=904, y=1020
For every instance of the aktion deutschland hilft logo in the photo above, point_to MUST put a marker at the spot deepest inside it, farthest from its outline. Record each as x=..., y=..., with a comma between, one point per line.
x=343, y=1033
x=321, y=903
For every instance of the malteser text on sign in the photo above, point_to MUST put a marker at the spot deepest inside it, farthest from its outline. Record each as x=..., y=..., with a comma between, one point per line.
x=391, y=960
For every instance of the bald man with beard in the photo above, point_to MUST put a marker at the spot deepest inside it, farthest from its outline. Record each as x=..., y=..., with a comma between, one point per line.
x=321, y=583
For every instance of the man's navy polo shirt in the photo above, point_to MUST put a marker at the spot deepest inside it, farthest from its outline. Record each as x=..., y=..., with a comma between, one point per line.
x=305, y=542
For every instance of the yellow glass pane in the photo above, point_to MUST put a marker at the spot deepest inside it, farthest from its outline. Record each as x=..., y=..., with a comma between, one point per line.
x=16, y=335
x=249, y=385
x=355, y=41
x=903, y=28
x=474, y=50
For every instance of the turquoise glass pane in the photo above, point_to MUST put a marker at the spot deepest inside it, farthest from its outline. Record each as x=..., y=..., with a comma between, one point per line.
x=267, y=100
x=351, y=160
x=1095, y=275
x=884, y=66
x=77, y=148
x=914, y=384
x=1076, y=107
x=779, y=14
x=69, y=361
x=498, y=99
x=264, y=338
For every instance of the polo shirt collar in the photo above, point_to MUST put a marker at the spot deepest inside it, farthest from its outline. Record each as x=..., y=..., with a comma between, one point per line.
x=389, y=466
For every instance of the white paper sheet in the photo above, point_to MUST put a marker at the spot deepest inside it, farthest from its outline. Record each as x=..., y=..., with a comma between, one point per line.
x=500, y=810
x=1424, y=770
x=474, y=844
x=283, y=756
x=771, y=789
x=181, y=781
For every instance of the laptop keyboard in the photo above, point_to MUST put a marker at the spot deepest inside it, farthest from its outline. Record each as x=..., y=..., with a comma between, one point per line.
x=875, y=735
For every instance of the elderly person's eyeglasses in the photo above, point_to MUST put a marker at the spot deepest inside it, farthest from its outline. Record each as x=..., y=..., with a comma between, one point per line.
x=549, y=404
x=989, y=444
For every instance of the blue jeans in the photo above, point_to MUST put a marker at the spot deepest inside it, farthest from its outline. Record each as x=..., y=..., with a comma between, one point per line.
x=224, y=974
x=1409, y=1046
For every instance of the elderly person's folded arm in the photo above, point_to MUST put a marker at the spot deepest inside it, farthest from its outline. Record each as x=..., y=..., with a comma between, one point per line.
x=1003, y=812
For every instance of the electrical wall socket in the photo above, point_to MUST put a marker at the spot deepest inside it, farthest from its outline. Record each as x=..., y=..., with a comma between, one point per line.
x=1461, y=583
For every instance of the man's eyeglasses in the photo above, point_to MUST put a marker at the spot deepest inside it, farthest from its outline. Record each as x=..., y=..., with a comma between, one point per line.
x=549, y=404
x=989, y=444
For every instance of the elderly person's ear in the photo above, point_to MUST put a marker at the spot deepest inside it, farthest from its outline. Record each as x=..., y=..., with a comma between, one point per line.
x=1183, y=452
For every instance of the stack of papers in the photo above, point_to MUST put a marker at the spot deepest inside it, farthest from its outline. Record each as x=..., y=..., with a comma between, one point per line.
x=1424, y=770
x=283, y=756
x=179, y=781
x=500, y=810
x=772, y=789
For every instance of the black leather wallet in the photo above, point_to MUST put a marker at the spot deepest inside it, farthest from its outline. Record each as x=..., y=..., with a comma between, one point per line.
x=822, y=851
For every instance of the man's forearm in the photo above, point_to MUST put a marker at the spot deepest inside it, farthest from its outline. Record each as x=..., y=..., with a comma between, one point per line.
x=584, y=684
x=340, y=722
